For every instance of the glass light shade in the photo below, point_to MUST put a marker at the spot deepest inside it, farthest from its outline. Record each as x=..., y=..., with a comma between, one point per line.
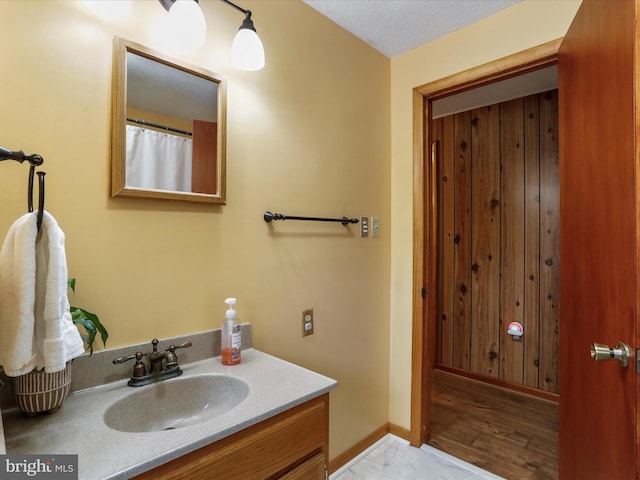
x=186, y=24
x=247, y=52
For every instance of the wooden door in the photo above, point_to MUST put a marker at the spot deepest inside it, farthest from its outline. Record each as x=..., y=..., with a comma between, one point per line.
x=598, y=241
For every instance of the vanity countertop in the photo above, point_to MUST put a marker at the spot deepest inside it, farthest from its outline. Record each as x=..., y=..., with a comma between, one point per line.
x=78, y=428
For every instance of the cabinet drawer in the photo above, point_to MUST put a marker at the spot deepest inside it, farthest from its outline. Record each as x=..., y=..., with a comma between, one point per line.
x=258, y=452
x=312, y=469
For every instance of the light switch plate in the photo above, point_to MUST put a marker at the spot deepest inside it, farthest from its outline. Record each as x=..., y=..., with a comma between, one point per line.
x=374, y=227
x=364, y=226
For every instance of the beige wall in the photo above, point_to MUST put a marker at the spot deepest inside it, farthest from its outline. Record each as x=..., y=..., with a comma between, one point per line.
x=308, y=135
x=517, y=28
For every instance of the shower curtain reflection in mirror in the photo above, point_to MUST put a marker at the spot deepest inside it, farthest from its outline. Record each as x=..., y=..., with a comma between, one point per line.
x=157, y=160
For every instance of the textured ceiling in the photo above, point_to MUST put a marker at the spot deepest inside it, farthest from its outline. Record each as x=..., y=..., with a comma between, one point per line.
x=396, y=26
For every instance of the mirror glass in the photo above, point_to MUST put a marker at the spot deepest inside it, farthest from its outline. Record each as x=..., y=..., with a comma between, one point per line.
x=168, y=127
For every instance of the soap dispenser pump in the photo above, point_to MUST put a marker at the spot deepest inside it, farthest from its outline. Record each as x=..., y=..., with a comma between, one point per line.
x=231, y=337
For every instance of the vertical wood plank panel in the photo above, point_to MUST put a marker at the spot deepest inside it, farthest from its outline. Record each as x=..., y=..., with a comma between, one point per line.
x=499, y=240
x=436, y=136
x=532, y=241
x=511, y=238
x=447, y=183
x=462, y=242
x=485, y=214
x=549, y=241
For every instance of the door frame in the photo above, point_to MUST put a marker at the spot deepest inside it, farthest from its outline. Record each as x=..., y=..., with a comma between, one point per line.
x=425, y=207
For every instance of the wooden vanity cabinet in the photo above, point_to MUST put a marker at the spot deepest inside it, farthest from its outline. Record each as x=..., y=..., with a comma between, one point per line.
x=293, y=445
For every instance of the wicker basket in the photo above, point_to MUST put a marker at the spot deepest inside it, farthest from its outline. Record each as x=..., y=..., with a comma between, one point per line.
x=38, y=391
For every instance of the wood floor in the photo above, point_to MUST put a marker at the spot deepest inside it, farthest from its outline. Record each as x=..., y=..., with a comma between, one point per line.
x=508, y=433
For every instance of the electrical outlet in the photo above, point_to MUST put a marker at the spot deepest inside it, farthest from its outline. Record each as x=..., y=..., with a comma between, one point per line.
x=364, y=226
x=307, y=322
x=374, y=227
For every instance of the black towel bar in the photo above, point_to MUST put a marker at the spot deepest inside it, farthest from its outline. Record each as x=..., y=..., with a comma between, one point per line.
x=268, y=216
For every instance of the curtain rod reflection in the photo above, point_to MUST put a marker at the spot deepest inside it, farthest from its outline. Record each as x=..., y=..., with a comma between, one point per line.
x=157, y=125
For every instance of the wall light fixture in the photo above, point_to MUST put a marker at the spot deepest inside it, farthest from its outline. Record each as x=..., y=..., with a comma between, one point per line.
x=247, y=52
x=185, y=26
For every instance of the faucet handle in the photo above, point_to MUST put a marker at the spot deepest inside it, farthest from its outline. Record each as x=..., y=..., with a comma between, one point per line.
x=171, y=357
x=137, y=356
x=173, y=348
x=139, y=370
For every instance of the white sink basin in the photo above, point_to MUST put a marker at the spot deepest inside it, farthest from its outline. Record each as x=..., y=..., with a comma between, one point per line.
x=175, y=403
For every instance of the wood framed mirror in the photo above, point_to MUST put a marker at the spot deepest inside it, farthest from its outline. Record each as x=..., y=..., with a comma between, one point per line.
x=168, y=128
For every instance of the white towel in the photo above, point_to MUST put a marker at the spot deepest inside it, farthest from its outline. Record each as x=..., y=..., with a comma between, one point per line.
x=17, y=297
x=36, y=329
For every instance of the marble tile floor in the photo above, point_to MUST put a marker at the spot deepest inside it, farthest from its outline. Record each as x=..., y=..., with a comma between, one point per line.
x=392, y=458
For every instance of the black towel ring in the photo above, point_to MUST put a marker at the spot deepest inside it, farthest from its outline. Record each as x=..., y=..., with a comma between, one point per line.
x=32, y=171
x=40, y=198
x=41, y=175
x=34, y=160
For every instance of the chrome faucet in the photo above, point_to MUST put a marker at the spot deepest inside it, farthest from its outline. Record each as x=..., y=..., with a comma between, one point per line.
x=162, y=366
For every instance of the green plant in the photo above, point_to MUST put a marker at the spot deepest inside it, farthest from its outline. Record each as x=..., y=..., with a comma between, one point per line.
x=88, y=320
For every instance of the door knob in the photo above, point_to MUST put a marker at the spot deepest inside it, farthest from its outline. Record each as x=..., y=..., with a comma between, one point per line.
x=621, y=352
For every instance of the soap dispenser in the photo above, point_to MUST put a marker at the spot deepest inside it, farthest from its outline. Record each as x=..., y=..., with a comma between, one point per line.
x=231, y=339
